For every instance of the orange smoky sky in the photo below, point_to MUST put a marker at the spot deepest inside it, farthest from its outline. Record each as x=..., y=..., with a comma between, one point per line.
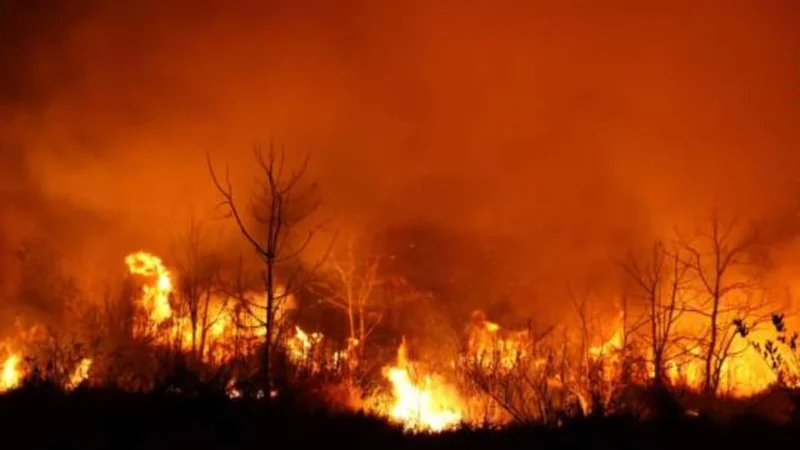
x=570, y=130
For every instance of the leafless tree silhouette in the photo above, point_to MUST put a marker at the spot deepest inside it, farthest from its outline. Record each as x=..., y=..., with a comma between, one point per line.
x=352, y=287
x=661, y=281
x=198, y=285
x=719, y=258
x=280, y=207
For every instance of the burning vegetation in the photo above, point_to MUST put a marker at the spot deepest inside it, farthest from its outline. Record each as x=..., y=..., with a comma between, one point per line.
x=691, y=317
x=514, y=217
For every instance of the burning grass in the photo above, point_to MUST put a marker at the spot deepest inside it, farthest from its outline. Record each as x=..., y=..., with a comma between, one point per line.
x=187, y=342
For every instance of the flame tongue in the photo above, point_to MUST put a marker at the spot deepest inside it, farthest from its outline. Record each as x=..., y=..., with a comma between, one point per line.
x=11, y=375
x=155, y=296
x=80, y=373
x=427, y=406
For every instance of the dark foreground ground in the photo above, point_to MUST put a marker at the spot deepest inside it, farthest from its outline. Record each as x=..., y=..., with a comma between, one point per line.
x=47, y=419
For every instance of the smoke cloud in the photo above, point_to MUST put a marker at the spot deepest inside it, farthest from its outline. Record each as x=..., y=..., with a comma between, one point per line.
x=549, y=137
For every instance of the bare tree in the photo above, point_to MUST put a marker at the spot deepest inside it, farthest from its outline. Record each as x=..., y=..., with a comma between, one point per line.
x=722, y=262
x=281, y=207
x=198, y=284
x=352, y=287
x=589, y=383
x=661, y=281
x=244, y=342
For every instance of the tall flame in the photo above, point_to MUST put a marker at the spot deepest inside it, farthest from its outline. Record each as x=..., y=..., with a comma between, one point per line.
x=155, y=296
x=219, y=326
x=80, y=373
x=11, y=376
x=427, y=406
x=301, y=345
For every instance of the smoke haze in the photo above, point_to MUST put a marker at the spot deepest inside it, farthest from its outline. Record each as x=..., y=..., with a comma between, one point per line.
x=561, y=132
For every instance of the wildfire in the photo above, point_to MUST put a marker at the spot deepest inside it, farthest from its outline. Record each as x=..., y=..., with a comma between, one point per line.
x=80, y=373
x=11, y=376
x=743, y=373
x=419, y=400
x=346, y=358
x=613, y=344
x=155, y=295
x=426, y=406
x=490, y=346
x=219, y=326
x=301, y=345
x=231, y=390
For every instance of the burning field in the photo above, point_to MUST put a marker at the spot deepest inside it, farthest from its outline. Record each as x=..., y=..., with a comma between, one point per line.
x=436, y=220
x=492, y=377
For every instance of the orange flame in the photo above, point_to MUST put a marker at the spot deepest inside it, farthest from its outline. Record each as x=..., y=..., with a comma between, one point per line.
x=11, y=376
x=301, y=345
x=224, y=324
x=80, y=373
x=490, y=346
x=743, y=373
x=614, y=343
x=155, y=296
x=428, y=406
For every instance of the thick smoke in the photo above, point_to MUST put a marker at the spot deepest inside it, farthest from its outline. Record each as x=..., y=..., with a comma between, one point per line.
x=548, y=138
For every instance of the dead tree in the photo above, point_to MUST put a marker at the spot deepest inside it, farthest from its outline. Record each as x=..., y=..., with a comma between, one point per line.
x=721, y=261
x=661, y=281
x=198, y=285
x=351, y=285
x=587, y=384
x=243, y=343
x=280, y=208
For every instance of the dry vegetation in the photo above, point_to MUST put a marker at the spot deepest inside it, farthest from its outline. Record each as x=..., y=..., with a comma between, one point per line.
x=690, y=334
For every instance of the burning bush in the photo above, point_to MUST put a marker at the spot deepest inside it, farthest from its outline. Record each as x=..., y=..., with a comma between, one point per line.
x=199, y=329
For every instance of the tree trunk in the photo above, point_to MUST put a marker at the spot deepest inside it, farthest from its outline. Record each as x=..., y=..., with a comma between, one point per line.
x=710, y=385
x=362, y=331
x=658, y=363
x=204, y=326
x=351, y=319
x=194, y=331
x=269, y=330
